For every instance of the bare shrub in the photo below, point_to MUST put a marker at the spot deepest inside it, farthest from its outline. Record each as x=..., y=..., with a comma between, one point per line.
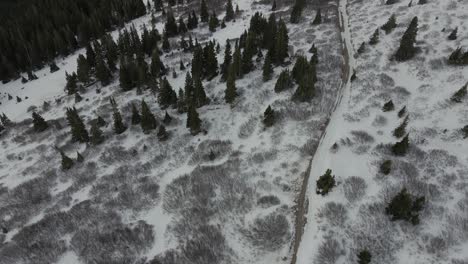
x=309, y=147
x=379, y=121
x=261, y=157
x=207, y=246
x=268, y=201
x=116, y=244
x=335, y=213
x=362, y=137
x=247, y=128
x=269, y=232
x=220, y=148
x=354, y=188
x=386, y=80
x=328, y=252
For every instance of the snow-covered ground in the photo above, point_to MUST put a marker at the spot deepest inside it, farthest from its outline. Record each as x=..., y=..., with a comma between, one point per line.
x=352, y=217
x=135, y=198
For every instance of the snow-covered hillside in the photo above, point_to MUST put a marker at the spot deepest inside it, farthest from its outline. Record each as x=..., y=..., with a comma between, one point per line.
x=136, y=199
x=352, y=217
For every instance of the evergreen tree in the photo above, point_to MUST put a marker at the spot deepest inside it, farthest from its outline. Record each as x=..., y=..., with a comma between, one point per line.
x=390, y=24
x=284, y=81
x=405, y=207
x=247, y=54
x=209, y=61
x=199, y=96
x=78, y=129
x=167, y=97
x=388, y=106
x=460, y=94
x=204, y=16
x=83, y=69
x=297, y=11
x=325, y=183
x=96, y=134
x=306, y=90
x=119, y=126
x=166, y=46
x=67, y=162
x=171, y=25
x=229, y=11
x=364, y=257
x=401, y=129
x=193, y=120
x=103, y=74
x=53, y=67
x=282, y=42
x=231, y=91
x=318, y=18
x=162, y=133
x=167, y=119
x=39, y=123
x=453, y=34
x=300, y=69
x=148, y=121
x=181, y=102
x=267, y=68
x=136, y=118
x=79, y=157
x=90, y=55
x=407, y=50
x=375, y=38
x=269, y=117
x=402, y=112
x=362, y=48
x=5, y=120
x=227, y=61
x=213, y=22
x=71, y=86
x=273, y=6
x=401, y=148
x=157, y=67
x=386, y=167
x=236, y=62
x=182, y=26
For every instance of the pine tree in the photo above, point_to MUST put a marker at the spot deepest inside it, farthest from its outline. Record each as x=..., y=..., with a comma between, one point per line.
x=67, y=162
x=199, y=95
x=71, y=86
x=167, y=119
x=193, y=120
x=79, y=157
x=401, y=129
x=171, y=25
x=364, y=257
x=182, y=26
x=282, y=42
x=90, y=55
x=53, y=67
x=96, y=134
x=39, y=123
x=306, y=90
x=162, y=133
x=386, y=167
x=362, y=48
x=236, y=62
x=5, y=120
x=231, y=91
x=297, y=11
x=269, y=117
x=401, y=148
x=318, y=18
x=407, y=50
x=404, y=207
x=375, y=38
x=284, y=81
x=136, y=118
x=148, y=121
x=402, y=112
x=83, y=69
x=210, y=61
x=453, y=34
x=227, y=61
x=229, y=11
x=78, y=129
x=166, y=46
x=157, y=67
x=103, y=74
x=167, y=97
x=119, y=126
x=273, y=6
x=213, y=22
x=300, y=69
x=267, y=68
x=204, y=16
x=325, y=183
x=460, y=94
x=390, y=24
x=388, y=106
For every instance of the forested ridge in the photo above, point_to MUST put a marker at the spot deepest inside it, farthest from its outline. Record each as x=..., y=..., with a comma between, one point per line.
x=33, y=33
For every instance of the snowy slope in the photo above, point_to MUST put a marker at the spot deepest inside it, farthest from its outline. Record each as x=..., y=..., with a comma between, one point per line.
x=352, y=217
x=133, y=180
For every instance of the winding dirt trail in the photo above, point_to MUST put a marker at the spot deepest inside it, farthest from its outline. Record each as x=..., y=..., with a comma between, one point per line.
x=302, y=200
